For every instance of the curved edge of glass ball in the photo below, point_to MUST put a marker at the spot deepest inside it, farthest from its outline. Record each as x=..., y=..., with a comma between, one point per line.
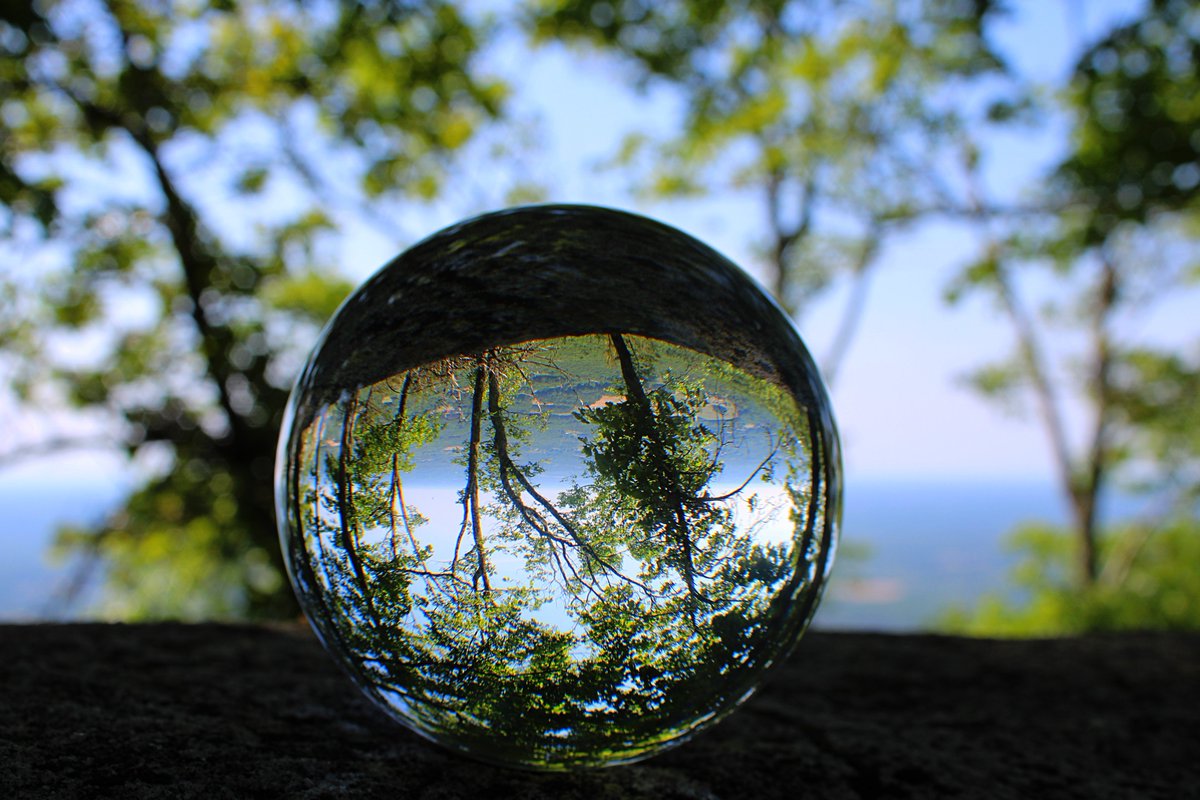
x=536, y=273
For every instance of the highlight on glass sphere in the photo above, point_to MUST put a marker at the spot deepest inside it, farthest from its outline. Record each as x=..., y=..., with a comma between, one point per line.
x=557, y=486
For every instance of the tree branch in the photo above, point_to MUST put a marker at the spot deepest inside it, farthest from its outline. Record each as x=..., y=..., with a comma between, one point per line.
x=509, y=468
x=183, y=225
x=1098, y=452
x=855, y=305
x=784, y=236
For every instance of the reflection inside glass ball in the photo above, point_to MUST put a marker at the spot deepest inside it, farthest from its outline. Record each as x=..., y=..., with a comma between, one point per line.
x=563, y=528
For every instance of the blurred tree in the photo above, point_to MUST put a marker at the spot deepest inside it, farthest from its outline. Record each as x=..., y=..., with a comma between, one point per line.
x=1122, y=240
x=851, y=120
x=833, y=115
x=169, y=175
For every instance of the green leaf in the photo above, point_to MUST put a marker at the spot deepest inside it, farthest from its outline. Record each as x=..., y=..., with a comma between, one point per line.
x=310, y=294
x=252, y=180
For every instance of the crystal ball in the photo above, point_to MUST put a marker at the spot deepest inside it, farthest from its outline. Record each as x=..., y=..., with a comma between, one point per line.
x=557, y=486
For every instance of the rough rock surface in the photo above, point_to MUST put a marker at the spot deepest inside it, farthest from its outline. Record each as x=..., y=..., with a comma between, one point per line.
x=217, y=711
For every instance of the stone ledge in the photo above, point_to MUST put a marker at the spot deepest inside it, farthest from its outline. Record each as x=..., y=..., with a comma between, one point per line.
x=215, y=711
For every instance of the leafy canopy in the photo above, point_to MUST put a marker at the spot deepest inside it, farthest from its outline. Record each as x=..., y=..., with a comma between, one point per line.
x=1119, y=240
x=171, y=177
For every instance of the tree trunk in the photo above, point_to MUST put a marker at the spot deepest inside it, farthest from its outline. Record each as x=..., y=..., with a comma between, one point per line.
x=678, y=532
x=472, y=492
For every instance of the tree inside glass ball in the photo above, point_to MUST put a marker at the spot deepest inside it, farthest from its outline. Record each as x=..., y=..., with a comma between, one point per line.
x=557, y=486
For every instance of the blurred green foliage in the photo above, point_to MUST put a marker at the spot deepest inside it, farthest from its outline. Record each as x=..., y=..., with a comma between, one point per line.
x=189, y=161
x=851, y=121
x=1121, y=238
x=832, y=116
x=1149, y=582
x=1137, y=94
x=173, y=177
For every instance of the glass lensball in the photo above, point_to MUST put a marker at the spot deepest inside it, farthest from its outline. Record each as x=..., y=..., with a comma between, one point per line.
x=557, y=485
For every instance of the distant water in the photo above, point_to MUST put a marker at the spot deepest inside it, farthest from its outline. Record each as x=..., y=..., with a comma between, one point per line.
x=929, y=544
x=32, y=513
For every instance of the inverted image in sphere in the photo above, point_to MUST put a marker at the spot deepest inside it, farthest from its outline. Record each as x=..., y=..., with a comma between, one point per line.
x=557, y=486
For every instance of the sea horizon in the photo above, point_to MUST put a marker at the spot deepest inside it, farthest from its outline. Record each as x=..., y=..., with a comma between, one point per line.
x=910, y=547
